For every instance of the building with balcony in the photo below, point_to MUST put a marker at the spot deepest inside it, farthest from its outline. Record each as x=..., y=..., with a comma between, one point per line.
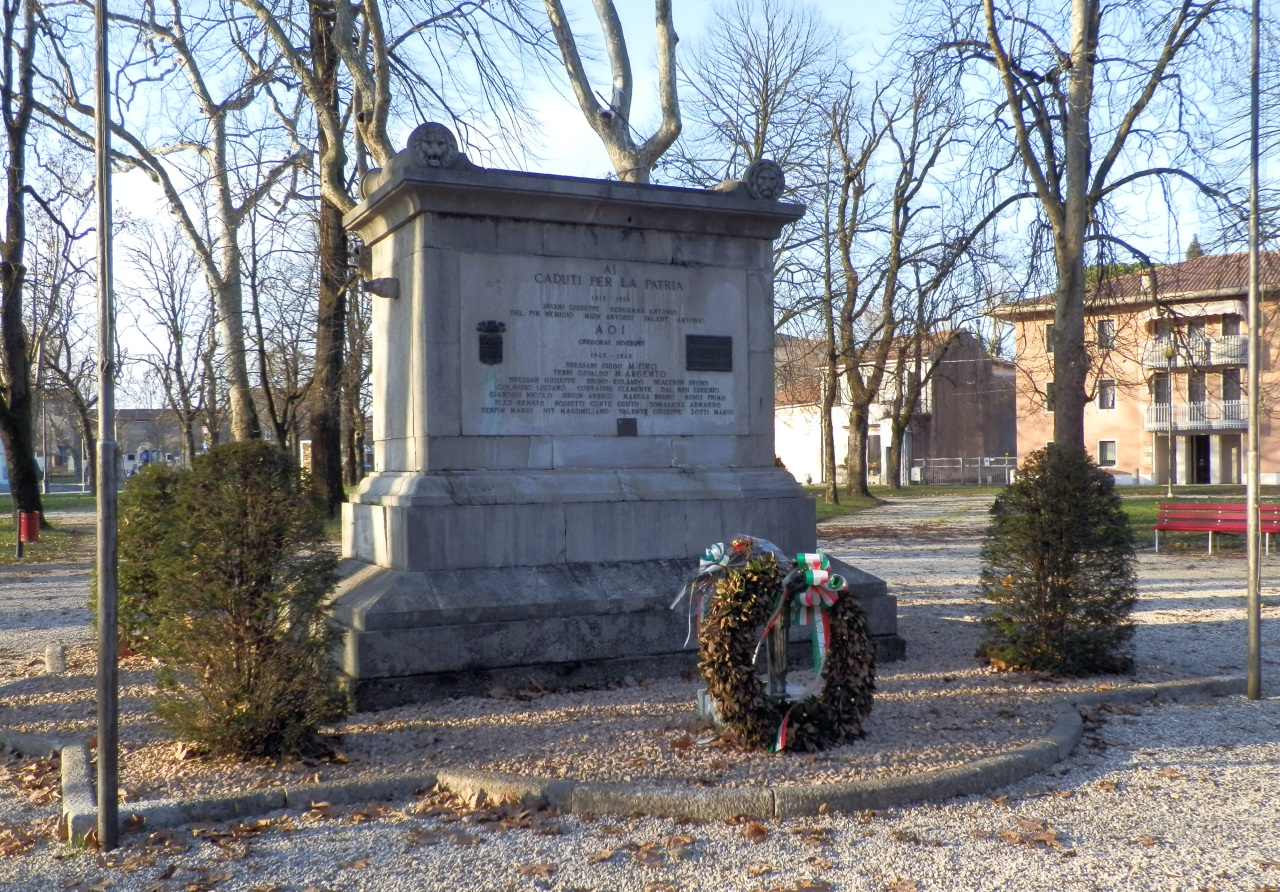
x=1168, y=356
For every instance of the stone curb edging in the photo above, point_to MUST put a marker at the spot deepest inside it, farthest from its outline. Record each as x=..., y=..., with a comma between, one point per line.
x=80, y=808
x=31, y=744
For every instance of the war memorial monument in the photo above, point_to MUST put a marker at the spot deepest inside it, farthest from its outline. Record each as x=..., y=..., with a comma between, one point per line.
x=573, y=398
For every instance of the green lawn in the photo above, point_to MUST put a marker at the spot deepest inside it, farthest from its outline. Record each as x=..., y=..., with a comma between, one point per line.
x=1141, y=503
x=64, y=541
x=54, y=501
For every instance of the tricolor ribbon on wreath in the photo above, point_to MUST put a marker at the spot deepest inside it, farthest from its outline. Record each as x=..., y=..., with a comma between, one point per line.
x=809, y=605
x=714, y=563
x=815, y=589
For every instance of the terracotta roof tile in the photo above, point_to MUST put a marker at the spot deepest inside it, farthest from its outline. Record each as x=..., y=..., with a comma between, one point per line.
x=1206, y=274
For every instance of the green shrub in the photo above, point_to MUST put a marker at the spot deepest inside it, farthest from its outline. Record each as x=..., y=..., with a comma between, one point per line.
x=145, y=518
x=1058, y=570
x=230, y=577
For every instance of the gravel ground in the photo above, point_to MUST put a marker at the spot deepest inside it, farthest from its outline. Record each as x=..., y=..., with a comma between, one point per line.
x=1168, y=798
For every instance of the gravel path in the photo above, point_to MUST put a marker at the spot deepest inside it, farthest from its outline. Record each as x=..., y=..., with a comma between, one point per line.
x=1168, y=798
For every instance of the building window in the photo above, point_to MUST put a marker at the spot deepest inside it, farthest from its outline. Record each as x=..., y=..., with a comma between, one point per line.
x=1106, y=331
x=1160, y=389
x=1196, y=391
x=1230, y=326
x=1107, y=453
x=1231, y=384
x=1048, y=337
x=1233, y=408
x=1048, y=396
x=1106, y=394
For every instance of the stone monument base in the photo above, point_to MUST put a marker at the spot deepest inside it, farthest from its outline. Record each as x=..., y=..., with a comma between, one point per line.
x=413, y=635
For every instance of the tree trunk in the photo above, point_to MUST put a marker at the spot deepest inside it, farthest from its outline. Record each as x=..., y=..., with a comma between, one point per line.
x=17, y=435
x=326, y=405
x=893, y=458
x=1071, y=359
x=15, y=400
x=831, y=488
x=88, y=426
x=859, y=421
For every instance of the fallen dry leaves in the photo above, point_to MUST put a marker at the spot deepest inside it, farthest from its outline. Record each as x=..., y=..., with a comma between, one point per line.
x=807, y=884
x=813, y=836
x=752, y=831
x=1033, y=834
x=504, y=813
x=542, y=870
x=661, y=886
x=36, y=779
x=910, y=836
x=15, y=839
x=901, y=885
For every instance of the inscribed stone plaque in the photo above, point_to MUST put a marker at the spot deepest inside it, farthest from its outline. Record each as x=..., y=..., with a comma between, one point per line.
x=587, y=343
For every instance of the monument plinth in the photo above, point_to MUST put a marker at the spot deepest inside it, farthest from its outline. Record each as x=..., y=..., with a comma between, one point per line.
x=573, y=397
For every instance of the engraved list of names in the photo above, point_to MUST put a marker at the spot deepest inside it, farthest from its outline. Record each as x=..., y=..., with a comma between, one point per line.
x=570, y=346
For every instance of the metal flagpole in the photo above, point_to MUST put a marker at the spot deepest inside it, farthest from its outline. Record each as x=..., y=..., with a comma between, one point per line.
x=1253, y=609
x=108, y=663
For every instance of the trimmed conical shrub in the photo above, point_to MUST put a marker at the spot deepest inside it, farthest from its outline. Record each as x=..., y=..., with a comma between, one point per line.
x=1058, y=570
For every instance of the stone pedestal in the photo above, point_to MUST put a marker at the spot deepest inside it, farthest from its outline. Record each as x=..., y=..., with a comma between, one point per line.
x=573, y=398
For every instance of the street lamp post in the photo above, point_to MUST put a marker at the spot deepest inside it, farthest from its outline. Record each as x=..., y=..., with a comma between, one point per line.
x=1170, y=351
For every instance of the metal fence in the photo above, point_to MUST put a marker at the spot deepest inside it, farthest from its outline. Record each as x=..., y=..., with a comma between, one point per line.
x=998, y=470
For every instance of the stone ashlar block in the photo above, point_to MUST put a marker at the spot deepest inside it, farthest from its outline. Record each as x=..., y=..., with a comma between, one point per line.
x=554, y=639
x=721, y=452
x=701, y=250
x=620, y=244
x=460, y=536
x=488, y=453
x=611, y=452
x=634, y=530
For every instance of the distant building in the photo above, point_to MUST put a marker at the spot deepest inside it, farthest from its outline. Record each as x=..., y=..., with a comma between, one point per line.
x=147, y=436
x=965, y=411
x=1168, y=360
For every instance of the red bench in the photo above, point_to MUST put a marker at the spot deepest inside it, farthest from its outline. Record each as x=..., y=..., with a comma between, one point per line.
x=1202, y=517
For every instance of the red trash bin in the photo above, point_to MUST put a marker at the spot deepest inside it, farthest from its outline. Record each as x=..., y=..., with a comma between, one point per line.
x=29, y=526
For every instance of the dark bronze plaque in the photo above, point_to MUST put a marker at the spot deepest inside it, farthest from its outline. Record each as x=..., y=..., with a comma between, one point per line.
x=708, y=353
x=627, y=427
x=491, y=341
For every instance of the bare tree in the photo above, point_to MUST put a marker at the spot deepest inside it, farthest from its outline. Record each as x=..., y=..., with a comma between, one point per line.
x=223, y=64
x=611, y=120
x=280, y=279
x=174, y=316
x=1083, y=112
x=758, y=86
x=357, y=373
x=17, y=54
x=60, y=279
x=347, y=82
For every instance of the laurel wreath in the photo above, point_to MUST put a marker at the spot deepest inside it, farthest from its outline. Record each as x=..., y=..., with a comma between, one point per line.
x=729, y=638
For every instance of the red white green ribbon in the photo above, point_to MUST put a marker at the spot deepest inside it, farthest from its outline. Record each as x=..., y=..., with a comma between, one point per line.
x=715, y=561
x=809, y=606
